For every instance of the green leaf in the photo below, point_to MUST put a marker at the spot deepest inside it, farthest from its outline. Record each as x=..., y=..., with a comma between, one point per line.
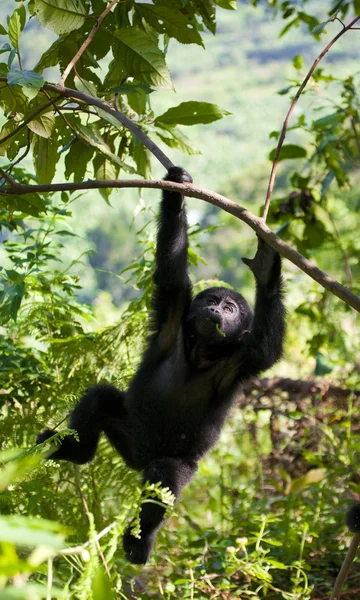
x=50, y=58
x=289, y=151
x=140, y=58
x=95, y=139
x=77, y=160
x=311, y=477
x=61, y=16
x=227, y=4
x=104, y=169
x=42, y=124
x=318, y=29
x=324, y=366
x=2, y=30
x=174, y=138
x=45, y=156
x=207, y=10
x=7, y=128
x=192, y=113
x=298, y=62
x=357, y=7
x=15, y=29
x=100, y=586
x=30, y=81
x=330, y=120
x=170, y=21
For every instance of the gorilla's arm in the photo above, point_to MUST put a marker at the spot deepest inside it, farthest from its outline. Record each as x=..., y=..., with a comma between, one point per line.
x=172, y=295
x=264, y=344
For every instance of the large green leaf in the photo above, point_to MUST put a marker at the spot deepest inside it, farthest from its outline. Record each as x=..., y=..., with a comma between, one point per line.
x=43, y=123
x=140, y=58
x=170, y=21
x=62, y=16
x=15, y=29
x=45, y=153
x=289, y=151
x=192, y=113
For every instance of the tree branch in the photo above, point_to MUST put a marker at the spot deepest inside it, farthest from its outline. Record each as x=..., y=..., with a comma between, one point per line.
x=139, y=133
x=345, y=567
x=298, y=388
x=291, y=110
x=87, y=42
x=256, y=223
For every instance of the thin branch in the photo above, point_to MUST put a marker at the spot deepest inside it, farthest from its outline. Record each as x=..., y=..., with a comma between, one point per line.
x=256, y=223
x=345, y=567
x=87, y=42
x=289, y=114
x=9, y=179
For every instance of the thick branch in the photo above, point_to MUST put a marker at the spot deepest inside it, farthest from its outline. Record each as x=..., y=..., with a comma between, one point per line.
x=256, y=223
x=291, y=110
x=88, y=40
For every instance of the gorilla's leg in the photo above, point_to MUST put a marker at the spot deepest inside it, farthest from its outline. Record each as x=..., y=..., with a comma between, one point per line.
x=100, y=404
x=173, y=473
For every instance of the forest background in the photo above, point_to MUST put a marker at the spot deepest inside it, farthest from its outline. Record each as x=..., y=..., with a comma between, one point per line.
x=265, y=514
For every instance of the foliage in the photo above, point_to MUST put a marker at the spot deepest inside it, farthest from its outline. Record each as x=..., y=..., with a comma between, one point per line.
x=264, y=517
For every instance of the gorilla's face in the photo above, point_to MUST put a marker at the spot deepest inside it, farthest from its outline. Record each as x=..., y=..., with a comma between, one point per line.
x=219, y=315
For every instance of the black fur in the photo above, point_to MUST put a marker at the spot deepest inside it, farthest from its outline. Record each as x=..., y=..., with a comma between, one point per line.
x=197, y=355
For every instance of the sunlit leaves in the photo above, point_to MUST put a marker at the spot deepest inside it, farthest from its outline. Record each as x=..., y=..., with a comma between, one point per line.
x=170, y=21
x=62, y=16
x=192, y=113
x=140, y=58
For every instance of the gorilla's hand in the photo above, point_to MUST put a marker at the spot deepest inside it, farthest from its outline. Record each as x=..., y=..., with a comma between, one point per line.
x=266, y=264
x=178, y=175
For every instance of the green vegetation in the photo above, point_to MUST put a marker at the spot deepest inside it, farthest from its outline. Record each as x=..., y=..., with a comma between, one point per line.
x=265, y=515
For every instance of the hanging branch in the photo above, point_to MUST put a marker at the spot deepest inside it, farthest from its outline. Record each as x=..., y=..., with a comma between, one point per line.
x=290, y=112
x=88, y=40
x=256, y=223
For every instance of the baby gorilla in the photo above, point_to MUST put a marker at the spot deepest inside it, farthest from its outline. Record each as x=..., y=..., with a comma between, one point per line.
x=198, y=353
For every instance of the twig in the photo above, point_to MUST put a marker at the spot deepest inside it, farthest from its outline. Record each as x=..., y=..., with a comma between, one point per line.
x=345, y=567
x=8, y=178
x=192, y=191
x=87, y=42
x=291, y=110
x=87, y=512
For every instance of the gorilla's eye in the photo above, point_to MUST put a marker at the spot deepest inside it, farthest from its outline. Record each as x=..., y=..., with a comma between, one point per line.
x=229, y=308
x=211, y=302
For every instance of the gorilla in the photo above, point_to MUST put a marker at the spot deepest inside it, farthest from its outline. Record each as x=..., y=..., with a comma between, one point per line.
x=198, y=353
